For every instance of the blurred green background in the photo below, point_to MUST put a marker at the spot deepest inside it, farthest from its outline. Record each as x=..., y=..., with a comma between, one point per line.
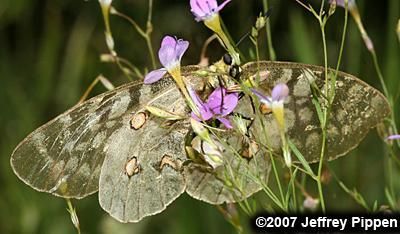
x=49, y=54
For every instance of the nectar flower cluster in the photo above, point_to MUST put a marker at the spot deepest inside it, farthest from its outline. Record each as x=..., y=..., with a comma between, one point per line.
x=219, y=104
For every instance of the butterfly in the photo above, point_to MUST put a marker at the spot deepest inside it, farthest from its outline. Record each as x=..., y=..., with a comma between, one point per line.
x=112, y=145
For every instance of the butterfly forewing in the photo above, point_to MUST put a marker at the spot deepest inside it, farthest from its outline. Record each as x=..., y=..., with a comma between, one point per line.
x=64, y=156
x=129, y=197
x=356, y=109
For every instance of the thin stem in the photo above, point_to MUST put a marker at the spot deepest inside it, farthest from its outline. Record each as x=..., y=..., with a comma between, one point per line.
x=293, y=189
x=342, y=42
x=319, y=183
x=144, y=34
x=149, y=30
x=379, y=73
x=150, y=11
x=272, y=55
x=303, y=5
x=277, y=177
x=205, y=46
x=326, y=111
x=74, y=217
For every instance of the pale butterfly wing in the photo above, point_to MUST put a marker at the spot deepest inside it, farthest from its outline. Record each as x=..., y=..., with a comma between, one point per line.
x=94, y=142
x=356, y=109
x=64, y=156
x=155, y=184
x=221, y=185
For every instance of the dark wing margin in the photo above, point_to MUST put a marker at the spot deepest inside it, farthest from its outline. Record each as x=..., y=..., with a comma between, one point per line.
x=356, y=109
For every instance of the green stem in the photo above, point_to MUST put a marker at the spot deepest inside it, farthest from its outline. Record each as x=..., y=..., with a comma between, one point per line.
x=379, y=73
x=293, y=190
x=325, y=117
x=342, y=42
x=321, y=194
x=145, y=34
x=277, y=177
x=272, y=55
x=149, y=30
x=73, y=214
x=151, y=51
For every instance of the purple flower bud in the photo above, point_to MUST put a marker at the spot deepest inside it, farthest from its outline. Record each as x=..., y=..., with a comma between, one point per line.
x=170, y=55
x=341, y=3
x=205, y=9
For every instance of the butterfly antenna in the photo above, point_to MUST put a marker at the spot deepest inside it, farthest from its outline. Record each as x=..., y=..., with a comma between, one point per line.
x=266, y=15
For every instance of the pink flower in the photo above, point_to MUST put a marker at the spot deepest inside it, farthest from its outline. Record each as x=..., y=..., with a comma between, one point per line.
x=205, y=9
x=219, y=104
x=170, y=55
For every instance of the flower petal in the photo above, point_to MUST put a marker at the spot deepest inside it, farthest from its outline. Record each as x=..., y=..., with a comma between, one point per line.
x=167, y=52
x=261, y=96
x=215, y=100
x=341, y=3
x=205, y=112
x=280, y=92
x=222, y=6
x=198, y=9
x=225, y=122
x=230, y=103
x=221, y=103
x=212, y=4
x=393, y=137
x=154, y=76
x=181, y=47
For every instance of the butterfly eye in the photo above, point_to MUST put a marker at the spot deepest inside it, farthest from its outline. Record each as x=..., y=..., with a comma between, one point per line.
x=227, y=58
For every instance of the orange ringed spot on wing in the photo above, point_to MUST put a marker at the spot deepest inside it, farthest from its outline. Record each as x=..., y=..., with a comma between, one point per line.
x=264, y=109
x=132, y=167
x=138, y=120
x=169, y=161
x=251, y=149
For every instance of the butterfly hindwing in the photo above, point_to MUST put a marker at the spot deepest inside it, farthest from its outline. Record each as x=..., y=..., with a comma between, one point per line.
x=356, y=109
